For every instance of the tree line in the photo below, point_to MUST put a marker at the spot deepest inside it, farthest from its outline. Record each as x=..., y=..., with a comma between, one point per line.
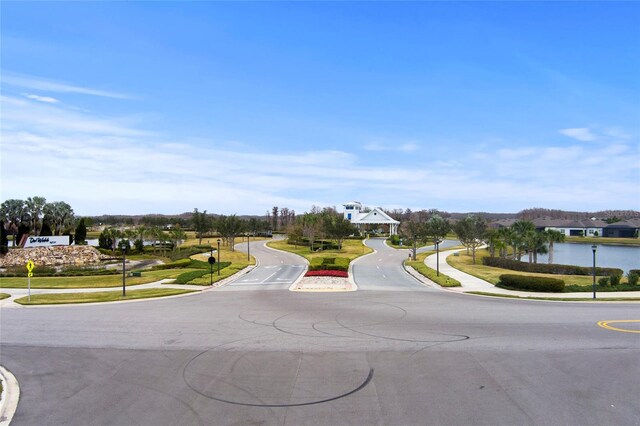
x=473, y=232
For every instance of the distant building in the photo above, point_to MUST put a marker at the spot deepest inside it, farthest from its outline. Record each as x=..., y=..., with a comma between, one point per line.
x=353, y=212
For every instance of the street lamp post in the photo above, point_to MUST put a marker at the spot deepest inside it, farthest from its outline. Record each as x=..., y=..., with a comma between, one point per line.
x=124, y=252
x=248, y=249
x=415, y=246
x=594, y=248
x=211, y=268
x=219, y=256
x=437, y=241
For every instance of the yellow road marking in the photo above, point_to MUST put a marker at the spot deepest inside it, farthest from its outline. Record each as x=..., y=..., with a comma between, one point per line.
x=605, y=324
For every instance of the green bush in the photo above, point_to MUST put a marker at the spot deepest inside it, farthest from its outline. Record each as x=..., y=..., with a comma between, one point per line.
x=633, y=278
x=544, y=268
x=634, y=271
x=603, y=282
x=615, y=279
x=329, y=263
x=191, y=275
x=524, y=282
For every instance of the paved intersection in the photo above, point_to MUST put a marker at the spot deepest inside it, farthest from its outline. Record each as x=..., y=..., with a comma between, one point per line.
x=380, y=356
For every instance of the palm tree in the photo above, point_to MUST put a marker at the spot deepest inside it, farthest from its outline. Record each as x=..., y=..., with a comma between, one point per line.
x=34, y=207
x=177, y=236
x=553, y=236
x=521, y=232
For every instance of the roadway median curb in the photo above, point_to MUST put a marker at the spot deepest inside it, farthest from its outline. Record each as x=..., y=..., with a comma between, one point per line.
x=9, y=397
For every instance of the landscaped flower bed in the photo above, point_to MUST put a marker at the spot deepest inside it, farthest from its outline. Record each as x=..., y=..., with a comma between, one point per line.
x=327, y=273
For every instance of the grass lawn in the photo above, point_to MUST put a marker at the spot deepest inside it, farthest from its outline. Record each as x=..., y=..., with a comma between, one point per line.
x=4, y=295
x=564, y=299
x=351, y=249
x=603, y=240
x=463, y=262
x=442, y=280
x=101, y=296
x=79, y=282
x=238, y=261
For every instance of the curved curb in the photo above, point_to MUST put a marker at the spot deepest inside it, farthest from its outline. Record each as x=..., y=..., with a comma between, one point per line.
x=9, y=397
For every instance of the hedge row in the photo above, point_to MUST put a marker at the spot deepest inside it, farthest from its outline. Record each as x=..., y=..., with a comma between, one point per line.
x=329, y=263
x=544, y=268
x=317, y=244
x=524, y=282
x=192, y=275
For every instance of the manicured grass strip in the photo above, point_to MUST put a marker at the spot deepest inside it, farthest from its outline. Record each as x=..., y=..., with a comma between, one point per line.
x=4, y=295
x=224, y=273
x=100, y=296
x=442, y=280
x=351, y=249
x=491, y=274
x=77, y=282
x=604, y=240
x=563, y=299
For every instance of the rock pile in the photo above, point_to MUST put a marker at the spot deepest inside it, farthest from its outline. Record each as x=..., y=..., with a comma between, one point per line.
x=52, y=256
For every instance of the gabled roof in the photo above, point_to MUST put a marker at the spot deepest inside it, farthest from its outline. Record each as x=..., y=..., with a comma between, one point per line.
x=376, y=215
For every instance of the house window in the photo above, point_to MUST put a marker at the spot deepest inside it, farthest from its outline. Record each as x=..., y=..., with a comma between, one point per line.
x=349, y=216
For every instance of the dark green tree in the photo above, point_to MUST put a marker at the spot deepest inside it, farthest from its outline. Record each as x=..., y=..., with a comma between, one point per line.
x=229, y=227
x=4, y=242
x=81, y=232
x=201, y=224
x=471, y=231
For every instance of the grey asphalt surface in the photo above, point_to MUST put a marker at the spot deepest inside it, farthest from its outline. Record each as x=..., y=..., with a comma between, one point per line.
x=290, y=358
x=383, y=269
x=277, y=270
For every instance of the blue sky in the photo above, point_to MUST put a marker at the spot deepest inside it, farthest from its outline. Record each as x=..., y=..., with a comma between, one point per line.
x=134, y=108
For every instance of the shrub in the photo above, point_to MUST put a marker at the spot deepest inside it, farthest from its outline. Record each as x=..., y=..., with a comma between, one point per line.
x=544, y=268
x=615, y=279
x=327, y=273
x=329, y=263
x=525, y=282
x=634, y=271
x=603, y=282
x=191, y=275
x=633, y=278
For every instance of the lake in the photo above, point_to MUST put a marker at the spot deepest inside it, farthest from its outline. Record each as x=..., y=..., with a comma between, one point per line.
x=607, y=256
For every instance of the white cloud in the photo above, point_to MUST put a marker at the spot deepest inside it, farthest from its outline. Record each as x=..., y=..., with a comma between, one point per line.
x=45, y=99
x=404, y=147
x=582, y=134
x=108, y=165
x=36, y=83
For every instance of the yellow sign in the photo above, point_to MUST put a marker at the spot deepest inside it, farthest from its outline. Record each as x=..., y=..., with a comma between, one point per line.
x=30, y=266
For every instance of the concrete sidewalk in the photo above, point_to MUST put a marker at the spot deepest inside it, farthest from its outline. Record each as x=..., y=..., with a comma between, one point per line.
x=471, y=283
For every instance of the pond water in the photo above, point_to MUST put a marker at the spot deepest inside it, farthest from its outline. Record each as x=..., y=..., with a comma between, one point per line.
x=623, y=257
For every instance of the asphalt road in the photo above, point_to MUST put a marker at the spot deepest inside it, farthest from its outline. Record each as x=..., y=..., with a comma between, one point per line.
x=289, y=358
x=382, y=270
x=277, y=270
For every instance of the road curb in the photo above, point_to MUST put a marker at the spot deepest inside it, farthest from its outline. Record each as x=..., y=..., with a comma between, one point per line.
x=9, y=397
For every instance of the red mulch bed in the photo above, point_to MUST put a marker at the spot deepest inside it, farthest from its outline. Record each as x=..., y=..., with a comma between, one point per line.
x=327, y=273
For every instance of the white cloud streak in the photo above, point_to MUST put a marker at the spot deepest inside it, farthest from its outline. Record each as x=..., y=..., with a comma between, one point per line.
x=106, y=165
x=36, y=83
x=45, y=99
x=582, y=134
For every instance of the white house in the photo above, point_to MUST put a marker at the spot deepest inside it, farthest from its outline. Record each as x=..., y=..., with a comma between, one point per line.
x=353, y=213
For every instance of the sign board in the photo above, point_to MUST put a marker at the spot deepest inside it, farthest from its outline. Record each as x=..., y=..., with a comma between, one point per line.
x=212, y=260
x=61, y=240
